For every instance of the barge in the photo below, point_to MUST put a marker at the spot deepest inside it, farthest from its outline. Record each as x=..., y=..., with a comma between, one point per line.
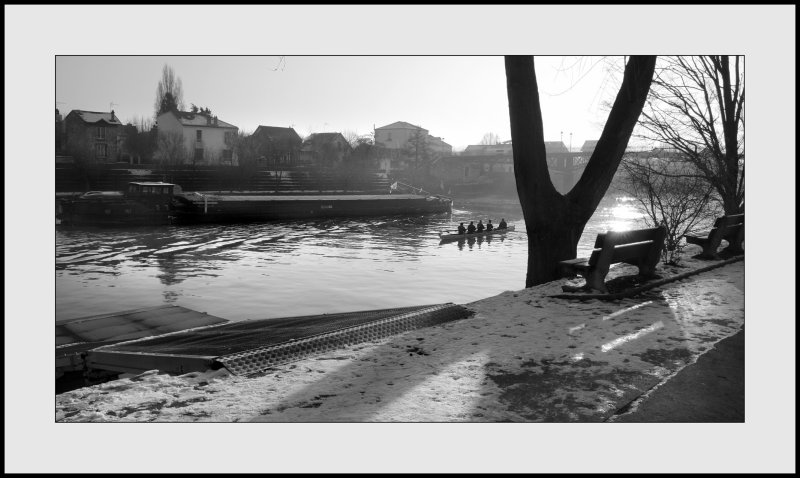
x=197, y=207
x=156, y=203
x=143, y=203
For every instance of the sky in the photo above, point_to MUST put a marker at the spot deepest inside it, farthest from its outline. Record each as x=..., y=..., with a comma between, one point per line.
x=458, y=98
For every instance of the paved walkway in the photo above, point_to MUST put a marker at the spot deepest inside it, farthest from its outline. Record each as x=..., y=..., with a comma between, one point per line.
x=710, y=390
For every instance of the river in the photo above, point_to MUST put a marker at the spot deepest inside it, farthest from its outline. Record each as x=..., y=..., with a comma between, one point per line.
x=293, y=268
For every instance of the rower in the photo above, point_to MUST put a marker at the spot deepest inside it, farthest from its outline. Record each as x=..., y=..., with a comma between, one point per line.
x=471, y=228
x=462, y=229
x=480, y=227
x=489, y=226
x=502, y=224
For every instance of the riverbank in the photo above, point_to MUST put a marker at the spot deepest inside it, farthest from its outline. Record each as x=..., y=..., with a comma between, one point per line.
x=523, y=357
x=434, y=378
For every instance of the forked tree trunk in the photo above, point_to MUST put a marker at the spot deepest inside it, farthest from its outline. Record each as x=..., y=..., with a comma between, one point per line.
x=555, y=222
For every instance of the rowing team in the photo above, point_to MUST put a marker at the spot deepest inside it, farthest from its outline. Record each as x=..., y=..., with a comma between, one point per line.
x=472, y=228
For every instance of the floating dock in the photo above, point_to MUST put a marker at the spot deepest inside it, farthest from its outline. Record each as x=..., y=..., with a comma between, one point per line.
x=75, y=337
x=244, y=348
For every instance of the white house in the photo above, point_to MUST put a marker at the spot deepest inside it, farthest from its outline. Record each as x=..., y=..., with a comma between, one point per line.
x=207, y=139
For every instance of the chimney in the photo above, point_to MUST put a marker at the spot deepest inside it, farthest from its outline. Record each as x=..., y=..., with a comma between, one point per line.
x=216, y=122
x=208, y=120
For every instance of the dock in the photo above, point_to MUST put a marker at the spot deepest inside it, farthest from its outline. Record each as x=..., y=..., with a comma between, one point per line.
x=173, y=339
x=75, y=337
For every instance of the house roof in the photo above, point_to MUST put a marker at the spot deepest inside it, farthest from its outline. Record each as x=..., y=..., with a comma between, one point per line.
x=187, y=118
x=555, y=147
x=323, y=137
x=316, y=140
x=589, y=145
x=277, y=132
x=437, y=139
x=96, y=116
x=401, y=125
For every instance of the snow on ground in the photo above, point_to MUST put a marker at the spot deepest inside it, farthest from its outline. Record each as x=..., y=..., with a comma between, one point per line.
x=523, y=356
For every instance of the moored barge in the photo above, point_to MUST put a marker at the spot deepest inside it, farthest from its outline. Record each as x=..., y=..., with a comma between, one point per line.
x=156, y=203
x=197, y=207
x=143, y=203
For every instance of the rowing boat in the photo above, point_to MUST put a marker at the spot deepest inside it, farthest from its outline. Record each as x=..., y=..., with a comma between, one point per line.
x=461, y=237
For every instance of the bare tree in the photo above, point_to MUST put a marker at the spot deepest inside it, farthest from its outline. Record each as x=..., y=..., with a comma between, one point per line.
x=171, y=149
x=419, y=153
x=169, y=93
x=555, y=222
x=670, y=196
x=490, y=138
x=696, y=106
x=352, y=137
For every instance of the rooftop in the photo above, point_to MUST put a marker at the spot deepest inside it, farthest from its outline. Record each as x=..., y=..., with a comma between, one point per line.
x=188, y=118
x=96, y=116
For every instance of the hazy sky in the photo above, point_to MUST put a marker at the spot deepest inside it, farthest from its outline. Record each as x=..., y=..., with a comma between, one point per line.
x=459, y=98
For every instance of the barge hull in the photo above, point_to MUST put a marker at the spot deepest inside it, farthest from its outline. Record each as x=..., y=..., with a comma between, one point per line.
x=201, y=208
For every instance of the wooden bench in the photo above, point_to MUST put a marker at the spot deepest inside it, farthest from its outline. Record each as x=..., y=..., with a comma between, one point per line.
x=729, y=228
x=641, y=248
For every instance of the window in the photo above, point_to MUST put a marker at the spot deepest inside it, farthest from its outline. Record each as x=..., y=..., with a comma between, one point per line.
x=100, y=132
x=199, y=135
x=228, y=137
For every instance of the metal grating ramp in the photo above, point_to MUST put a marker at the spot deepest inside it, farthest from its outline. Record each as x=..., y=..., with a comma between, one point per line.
x=262, y=358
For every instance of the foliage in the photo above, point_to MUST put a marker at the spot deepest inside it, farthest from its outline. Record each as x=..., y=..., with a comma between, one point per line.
x=169, y=93
x=670, y=195
x=201, y=110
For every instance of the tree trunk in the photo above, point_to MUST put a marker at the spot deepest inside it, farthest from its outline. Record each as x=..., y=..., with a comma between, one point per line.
x=555, y=222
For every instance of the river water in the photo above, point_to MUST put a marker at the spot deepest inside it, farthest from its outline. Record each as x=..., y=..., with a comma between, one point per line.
x=292, y=268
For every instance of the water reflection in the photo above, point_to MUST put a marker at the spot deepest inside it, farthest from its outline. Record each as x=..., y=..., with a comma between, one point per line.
x=292, y=267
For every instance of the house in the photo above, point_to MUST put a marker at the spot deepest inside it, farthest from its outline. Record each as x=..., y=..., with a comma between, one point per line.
x=488, y=149
x=589, y=145
x=485, y=162
x=93, y=136
x=406, y=144
x=555, y=147
x=325, y=149
x=505, y=149
x=439, y=147
x=205, y=139
x=277, y=145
